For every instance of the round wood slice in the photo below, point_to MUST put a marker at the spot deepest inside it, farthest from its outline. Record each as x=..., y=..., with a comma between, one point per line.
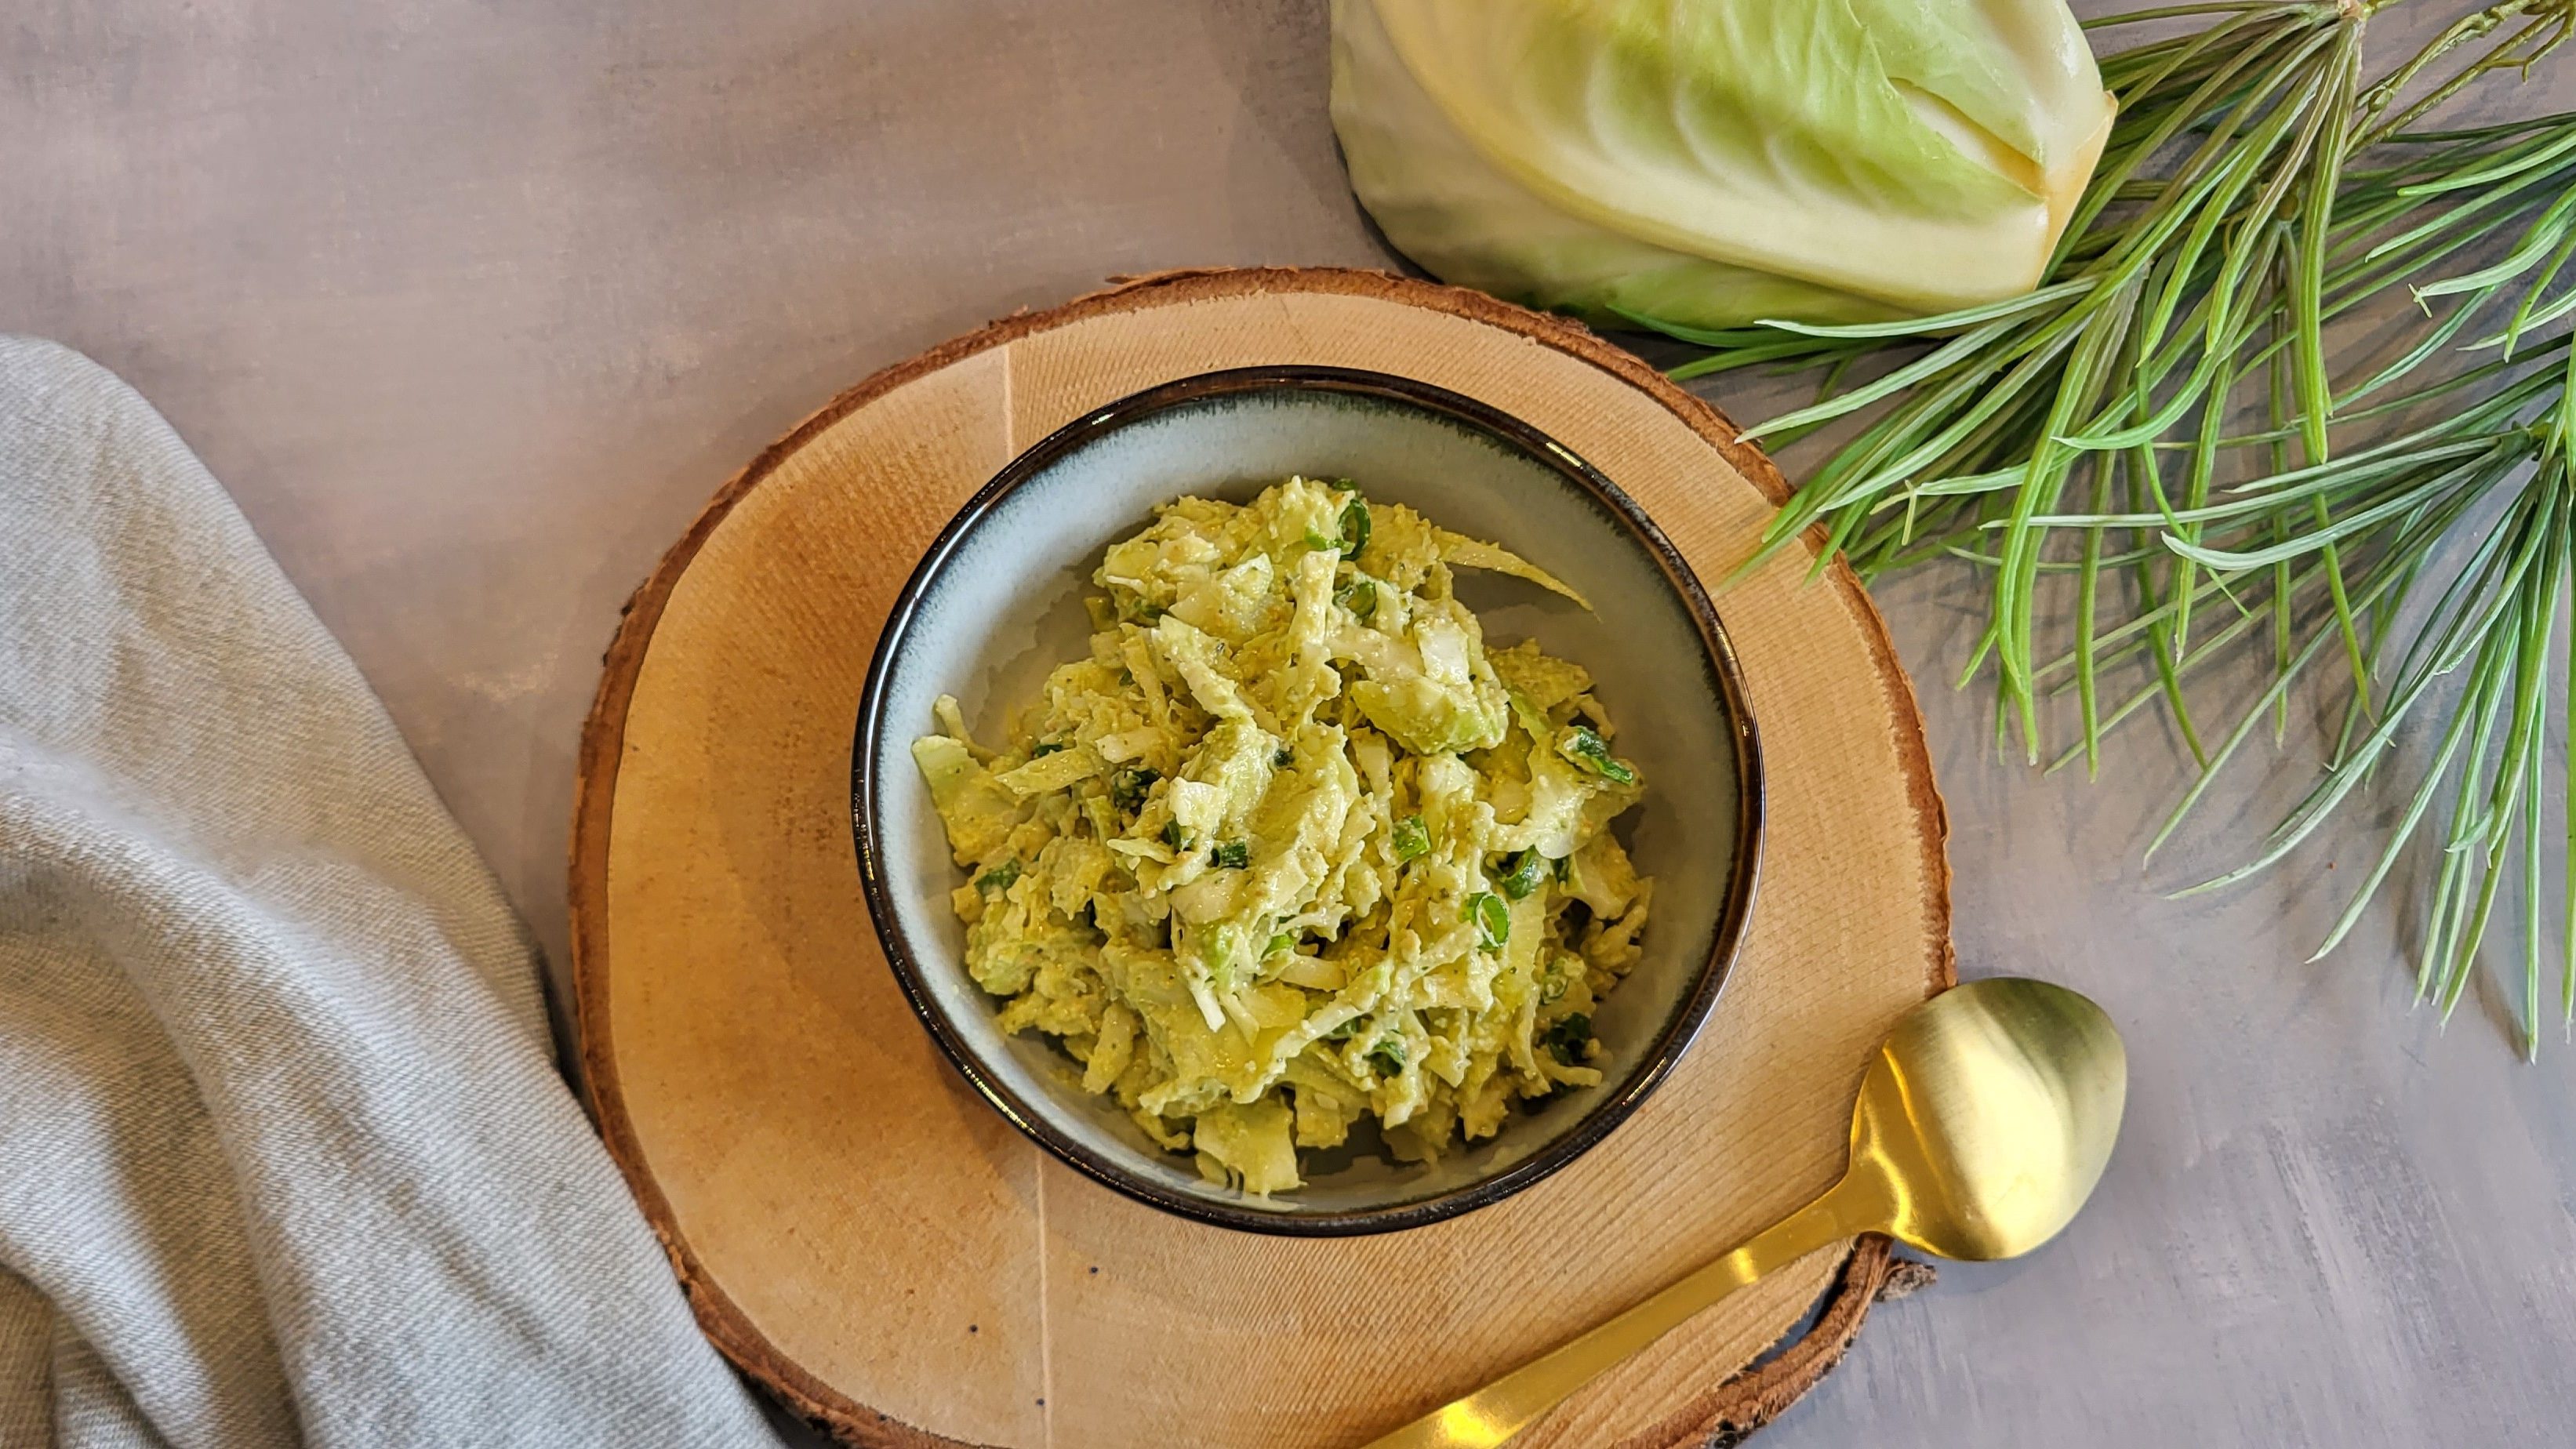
x=872, y=1242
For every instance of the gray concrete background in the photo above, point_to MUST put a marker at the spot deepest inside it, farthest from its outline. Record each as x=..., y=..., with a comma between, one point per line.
x=473, y=304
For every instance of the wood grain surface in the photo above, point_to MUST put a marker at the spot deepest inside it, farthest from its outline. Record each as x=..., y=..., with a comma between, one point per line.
x=861, y=1233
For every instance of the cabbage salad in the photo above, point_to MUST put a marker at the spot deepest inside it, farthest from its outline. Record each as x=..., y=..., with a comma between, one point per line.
x=1292, y=847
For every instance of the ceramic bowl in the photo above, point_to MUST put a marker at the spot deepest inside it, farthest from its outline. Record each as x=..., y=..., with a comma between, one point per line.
x=997, y=603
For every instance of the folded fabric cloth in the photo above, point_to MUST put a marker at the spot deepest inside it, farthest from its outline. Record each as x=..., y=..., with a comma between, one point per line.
x=283, y=1152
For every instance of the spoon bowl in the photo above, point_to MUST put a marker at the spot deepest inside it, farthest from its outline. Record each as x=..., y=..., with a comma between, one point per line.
x=1986, y=1118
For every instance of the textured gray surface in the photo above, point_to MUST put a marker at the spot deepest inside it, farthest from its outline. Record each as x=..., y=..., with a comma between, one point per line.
x=472, y=305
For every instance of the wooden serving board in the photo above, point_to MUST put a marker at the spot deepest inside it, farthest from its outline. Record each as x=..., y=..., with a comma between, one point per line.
x=873, y=1243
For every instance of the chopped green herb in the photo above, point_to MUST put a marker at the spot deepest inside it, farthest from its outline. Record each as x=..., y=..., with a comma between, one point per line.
x=1387, y=1056
x=999, y=878
x=1568, y=1038
x=1281, y=942
x=1588, y=749
x=1044, y=748
x=1174, y=836
x=1345, y=1031
x=1231, y=854
x=1127, y=789
x=1522, y=874
x=1354, y=527
x=1493, y=920
x=1359, y=596
x=1412, y=838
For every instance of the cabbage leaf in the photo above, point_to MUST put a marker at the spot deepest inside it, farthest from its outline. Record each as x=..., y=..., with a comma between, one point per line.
x=1715, y=162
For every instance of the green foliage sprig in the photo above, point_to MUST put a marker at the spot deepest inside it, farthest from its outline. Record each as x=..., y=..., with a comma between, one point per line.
x=2406, y=536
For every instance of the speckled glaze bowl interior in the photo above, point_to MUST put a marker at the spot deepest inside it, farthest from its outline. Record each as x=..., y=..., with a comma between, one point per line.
x=997, y=604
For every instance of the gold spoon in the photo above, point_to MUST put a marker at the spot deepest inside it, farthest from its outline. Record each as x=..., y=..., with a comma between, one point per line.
x=1984, y=1121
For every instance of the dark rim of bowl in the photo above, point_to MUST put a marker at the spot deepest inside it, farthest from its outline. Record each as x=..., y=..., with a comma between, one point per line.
x=1681, y=1027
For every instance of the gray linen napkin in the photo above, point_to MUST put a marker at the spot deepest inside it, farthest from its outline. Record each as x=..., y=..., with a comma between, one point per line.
x=282, y=1149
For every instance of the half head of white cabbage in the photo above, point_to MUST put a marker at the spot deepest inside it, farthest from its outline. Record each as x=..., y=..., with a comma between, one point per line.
x=1717, y=162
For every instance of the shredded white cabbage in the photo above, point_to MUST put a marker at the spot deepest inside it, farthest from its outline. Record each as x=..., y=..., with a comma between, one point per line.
x=1292, y=847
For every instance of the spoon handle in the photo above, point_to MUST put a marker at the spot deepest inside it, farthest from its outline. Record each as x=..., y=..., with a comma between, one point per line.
x=1513, y=1402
